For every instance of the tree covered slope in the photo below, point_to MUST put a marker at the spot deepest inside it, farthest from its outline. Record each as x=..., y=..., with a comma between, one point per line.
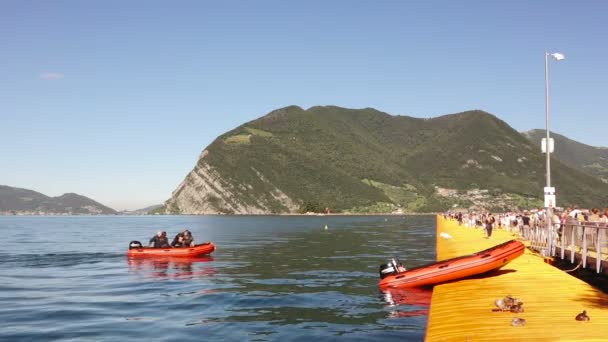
x=364, y=160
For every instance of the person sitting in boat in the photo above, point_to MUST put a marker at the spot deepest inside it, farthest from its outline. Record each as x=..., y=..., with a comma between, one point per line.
x=159, y=240
x=183, y=239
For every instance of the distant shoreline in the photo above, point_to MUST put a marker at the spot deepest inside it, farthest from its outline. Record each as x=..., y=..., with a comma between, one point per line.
x=221, y=215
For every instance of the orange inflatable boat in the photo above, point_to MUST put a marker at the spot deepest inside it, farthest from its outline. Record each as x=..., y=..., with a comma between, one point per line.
x=393, y=275
x=137, y=250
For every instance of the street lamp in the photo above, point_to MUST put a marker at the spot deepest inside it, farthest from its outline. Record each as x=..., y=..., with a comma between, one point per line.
x=549, y=192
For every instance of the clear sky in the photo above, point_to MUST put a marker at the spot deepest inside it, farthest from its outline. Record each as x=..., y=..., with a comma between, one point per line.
x=115, y=100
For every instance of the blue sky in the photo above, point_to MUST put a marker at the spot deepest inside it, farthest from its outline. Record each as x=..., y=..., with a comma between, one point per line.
x=115, y=100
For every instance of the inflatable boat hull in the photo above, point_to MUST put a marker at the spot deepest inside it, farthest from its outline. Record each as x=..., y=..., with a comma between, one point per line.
x=183, y=252
x=456, y=268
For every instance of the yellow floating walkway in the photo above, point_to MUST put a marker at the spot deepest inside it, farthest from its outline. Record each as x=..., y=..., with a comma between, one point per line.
x=462, y=310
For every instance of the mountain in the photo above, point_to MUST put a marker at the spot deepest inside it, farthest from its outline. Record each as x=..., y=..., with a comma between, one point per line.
x=589, y=159
x=24, y=201
x=143, y=211
x=363, y=160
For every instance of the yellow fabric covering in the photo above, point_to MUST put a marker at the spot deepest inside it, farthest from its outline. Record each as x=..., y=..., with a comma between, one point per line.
x=462, y=310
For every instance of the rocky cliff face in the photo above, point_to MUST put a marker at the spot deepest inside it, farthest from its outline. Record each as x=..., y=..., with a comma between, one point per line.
x=204, y=191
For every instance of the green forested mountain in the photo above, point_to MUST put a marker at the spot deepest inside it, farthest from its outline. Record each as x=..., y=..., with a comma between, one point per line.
x=589, y=159
x=18, y=200
x=364, y=160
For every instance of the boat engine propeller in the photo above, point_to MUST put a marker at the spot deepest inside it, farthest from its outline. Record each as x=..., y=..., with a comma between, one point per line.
x=135, y=244
x=391, y=267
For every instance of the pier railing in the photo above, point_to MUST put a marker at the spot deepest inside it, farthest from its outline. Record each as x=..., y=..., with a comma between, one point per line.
x=587, y=239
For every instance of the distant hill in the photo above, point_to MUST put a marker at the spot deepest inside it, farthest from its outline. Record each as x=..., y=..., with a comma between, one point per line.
x=363, y=160
x=589, y=159
x=24, y=201
x=142, y=211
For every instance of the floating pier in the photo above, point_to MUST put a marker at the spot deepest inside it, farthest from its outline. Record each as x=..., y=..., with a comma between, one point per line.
x=463, y=310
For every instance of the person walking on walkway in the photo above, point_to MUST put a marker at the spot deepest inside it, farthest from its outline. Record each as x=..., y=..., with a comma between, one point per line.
x=489, y=224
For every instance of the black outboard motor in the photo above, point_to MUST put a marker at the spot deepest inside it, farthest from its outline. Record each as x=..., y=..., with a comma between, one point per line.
x=393, y=266
x=135, y=244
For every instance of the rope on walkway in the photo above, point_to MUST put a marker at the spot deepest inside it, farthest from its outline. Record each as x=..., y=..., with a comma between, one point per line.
x=576, y=268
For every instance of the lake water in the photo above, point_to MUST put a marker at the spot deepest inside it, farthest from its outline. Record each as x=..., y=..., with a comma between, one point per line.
x=271, y=278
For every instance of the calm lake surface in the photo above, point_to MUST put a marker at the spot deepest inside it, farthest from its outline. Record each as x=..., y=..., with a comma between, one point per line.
x=271, y=278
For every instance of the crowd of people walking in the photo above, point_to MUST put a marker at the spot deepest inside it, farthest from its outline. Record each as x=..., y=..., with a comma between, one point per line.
x=530, y=219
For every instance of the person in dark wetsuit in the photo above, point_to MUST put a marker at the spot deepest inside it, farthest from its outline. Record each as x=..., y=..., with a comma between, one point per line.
x=159, y=240
x=183, y=239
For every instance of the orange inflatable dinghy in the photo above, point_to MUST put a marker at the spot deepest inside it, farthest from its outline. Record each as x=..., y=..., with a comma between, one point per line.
x=136, y=250
x=393, y=275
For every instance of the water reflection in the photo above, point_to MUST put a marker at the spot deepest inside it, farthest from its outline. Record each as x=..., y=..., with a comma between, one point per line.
x=407, y=302
x=173, y=268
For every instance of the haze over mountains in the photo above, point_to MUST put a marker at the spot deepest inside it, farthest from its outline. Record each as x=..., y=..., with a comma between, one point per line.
x=24, y=201
x=142, y=211
x=363, y=160
x=589, y=159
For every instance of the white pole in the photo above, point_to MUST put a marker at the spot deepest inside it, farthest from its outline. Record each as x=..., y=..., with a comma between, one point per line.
x=549, y=210
x=547, y=117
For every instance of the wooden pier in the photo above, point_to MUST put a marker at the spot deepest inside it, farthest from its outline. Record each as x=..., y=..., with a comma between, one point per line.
x=462, y=310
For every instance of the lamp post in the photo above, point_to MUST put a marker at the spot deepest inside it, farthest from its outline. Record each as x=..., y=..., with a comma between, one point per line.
x=549, y=206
